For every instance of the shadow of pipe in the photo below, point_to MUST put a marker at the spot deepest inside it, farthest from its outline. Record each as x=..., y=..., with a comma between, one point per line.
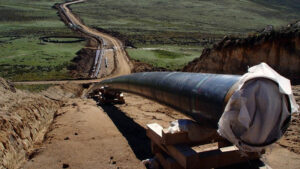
x=133, y=132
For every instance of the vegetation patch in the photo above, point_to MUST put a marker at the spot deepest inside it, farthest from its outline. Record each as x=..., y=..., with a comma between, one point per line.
x=27, y=59
x=168, y=54
x=144, y=17
x=23, y=56
x=34, y=88
x=6, y=39
x=62, y=39
x=171, y=57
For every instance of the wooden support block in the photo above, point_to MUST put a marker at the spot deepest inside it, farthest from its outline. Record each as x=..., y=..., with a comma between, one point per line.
x=155, y=148
x=224, y=143
x=175, y=138
x=154, y=132
x=222, y=157
x=166, y=138
x=167, y=162
x=183, y=138
x=181, y=153
x=204, y=156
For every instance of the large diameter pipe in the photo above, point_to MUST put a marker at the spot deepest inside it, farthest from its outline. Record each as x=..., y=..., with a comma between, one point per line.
x=198, y=95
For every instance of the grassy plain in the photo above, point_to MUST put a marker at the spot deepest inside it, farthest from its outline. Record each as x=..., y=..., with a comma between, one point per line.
x=183, y=23
x=22, y=56
x=33, y=88
x=167, y=56
x=167, y=33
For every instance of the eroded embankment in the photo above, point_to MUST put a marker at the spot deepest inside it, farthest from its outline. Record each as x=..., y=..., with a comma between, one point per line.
x=24, y=120
x=280, y=49
x=82, y=64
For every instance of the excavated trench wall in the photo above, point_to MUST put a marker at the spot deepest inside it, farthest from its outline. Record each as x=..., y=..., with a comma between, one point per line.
x=280, y=49
x=24, y=120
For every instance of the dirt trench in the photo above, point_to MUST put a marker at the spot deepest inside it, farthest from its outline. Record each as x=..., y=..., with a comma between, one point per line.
x=24, y=119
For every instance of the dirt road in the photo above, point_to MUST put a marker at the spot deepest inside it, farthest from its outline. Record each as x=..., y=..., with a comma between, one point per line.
x=122, y=60
x=123, y=65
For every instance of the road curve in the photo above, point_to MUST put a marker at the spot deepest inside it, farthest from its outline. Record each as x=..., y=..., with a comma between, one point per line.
x=121, y=59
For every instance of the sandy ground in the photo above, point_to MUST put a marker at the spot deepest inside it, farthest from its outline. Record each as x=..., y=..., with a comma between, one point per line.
x=83, y=136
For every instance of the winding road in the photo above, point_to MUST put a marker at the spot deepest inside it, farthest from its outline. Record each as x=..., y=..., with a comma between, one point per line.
x=121, y=60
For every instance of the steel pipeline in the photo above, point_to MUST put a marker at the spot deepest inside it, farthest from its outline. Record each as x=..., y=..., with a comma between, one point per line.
x=198, y=95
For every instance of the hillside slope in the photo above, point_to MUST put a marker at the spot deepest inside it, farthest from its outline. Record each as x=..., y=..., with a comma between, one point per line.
x=280, y=49
x=140, y=17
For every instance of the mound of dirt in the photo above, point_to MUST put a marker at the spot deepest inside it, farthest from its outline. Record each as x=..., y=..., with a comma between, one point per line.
x=82, y=63
x=279, y=49
x=24, y=119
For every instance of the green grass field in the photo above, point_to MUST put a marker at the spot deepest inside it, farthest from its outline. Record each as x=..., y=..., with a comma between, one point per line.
x=167, y=56
x=167, y=33
x=27, y=59
x=204, y=16
x=33, y=88
x=22, y=56
x=183, y=23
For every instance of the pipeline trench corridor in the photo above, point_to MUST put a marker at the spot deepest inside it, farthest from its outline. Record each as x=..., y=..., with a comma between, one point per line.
x=87, y=135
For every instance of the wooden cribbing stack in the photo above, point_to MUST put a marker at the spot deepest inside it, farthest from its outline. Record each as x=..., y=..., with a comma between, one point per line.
x=177, y=151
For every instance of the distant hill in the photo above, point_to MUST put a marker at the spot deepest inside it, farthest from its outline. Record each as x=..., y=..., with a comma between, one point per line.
x=205, y=16
x=292, y=4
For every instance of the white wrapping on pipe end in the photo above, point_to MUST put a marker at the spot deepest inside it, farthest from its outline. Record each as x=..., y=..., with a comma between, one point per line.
x=258, y=112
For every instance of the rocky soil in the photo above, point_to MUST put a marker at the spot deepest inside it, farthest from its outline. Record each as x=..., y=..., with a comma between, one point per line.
x=24, y=119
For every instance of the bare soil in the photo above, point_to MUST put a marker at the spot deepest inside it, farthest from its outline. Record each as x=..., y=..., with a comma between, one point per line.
x=86, y=135
x=83, y=136
x=291, y=139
